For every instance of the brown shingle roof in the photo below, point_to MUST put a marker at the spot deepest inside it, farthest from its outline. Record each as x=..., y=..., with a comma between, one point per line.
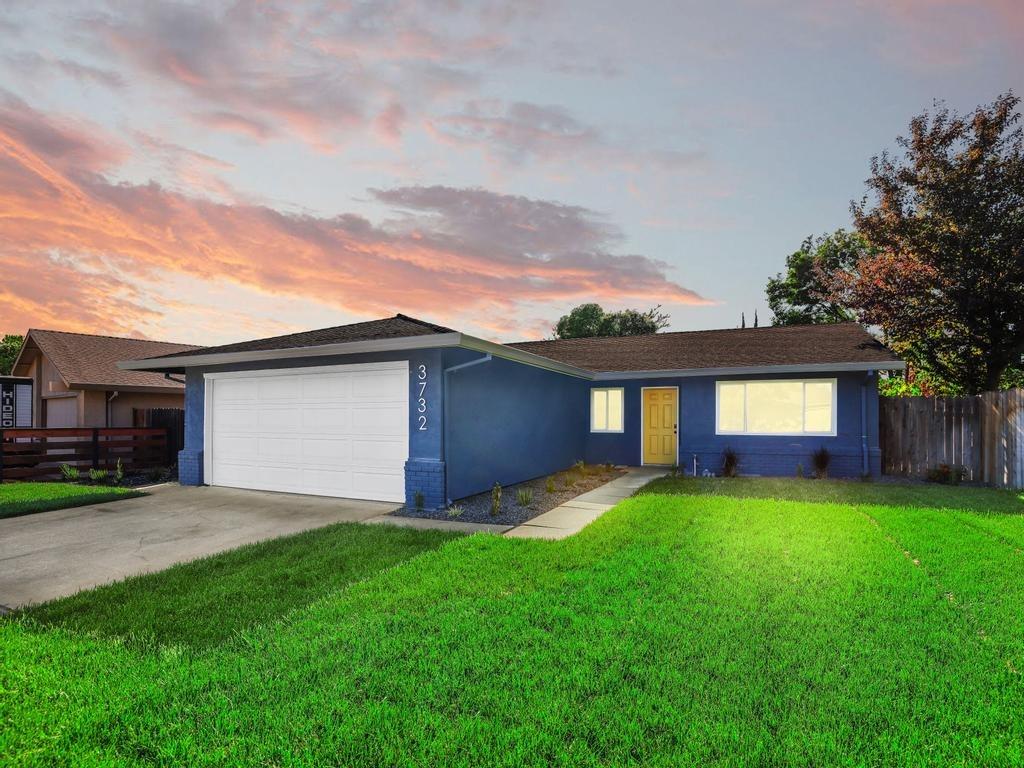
x=84, y=360
x=397, y=327
x=732, y=348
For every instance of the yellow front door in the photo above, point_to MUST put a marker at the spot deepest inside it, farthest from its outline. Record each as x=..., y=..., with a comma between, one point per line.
x=661, y=411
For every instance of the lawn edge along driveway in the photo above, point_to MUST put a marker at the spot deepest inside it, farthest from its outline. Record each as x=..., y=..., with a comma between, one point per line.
x=17, y=499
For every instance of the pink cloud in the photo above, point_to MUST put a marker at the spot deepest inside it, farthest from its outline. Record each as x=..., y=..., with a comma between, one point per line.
x=446, y=252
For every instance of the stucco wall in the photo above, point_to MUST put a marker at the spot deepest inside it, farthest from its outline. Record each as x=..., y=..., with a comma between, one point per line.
x=122, y=405
x=758, y=455
x=509, y=422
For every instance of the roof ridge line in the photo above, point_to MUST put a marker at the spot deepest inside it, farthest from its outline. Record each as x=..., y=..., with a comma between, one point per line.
x=109, y=336
x=692, y=330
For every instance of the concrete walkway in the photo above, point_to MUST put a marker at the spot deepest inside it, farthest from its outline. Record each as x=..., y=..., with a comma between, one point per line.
x=571, y=517
x=52, y=554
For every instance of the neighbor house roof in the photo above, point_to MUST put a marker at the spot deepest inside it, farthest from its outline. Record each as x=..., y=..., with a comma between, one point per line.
x=397, y=327
x=85, y=361
x=795, y=345
x=845, y=346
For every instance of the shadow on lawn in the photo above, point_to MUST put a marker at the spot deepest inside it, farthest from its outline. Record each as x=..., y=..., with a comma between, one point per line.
x=856, y=492
x=206, y=602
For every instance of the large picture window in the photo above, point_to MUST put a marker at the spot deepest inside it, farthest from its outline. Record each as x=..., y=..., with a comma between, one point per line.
x=783, y=407
x=606, y=410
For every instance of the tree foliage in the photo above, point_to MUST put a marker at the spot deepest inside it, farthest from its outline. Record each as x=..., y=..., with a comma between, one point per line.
x=588, y=320
x=10, y=345
x=946, y=283
x=799, y=296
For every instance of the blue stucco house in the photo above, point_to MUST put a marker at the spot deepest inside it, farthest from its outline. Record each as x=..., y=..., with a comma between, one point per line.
x=400, y=409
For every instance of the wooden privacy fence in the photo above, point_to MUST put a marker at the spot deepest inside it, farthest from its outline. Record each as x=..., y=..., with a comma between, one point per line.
x=983, y=434
x=170, y=419
x=38, y=453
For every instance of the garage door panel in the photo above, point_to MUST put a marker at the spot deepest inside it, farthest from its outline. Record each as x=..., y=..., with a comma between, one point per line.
x=380, y=420
x=327, y=481
x=339, y=432
x=325, y=419
x=236, y=390
x=284, y=421
x=369, y=386
x=379, y=452
x=322, y=451
x=378, y=485
x=280, y=449
x=235, y=447
x=327, y=387
x=232, y=418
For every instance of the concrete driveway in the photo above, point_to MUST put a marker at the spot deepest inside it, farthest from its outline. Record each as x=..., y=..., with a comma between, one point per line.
x=53, y=554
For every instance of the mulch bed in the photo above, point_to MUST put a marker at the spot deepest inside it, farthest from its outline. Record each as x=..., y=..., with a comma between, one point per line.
x=568, y=485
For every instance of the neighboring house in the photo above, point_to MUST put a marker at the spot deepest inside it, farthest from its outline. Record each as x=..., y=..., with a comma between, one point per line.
x=391, y=409
x=77, y=381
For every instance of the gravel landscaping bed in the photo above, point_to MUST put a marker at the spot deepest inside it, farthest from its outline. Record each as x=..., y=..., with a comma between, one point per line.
x=567, y=485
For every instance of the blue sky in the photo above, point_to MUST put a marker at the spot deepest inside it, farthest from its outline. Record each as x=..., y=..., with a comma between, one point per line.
x=216, y=171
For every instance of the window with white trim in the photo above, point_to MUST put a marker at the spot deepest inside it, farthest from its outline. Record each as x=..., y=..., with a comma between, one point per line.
x=606, y=409
x=779, y=407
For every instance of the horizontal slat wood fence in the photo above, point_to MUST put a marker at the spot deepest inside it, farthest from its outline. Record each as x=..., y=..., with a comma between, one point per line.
x=983, y=434
x=36, y=454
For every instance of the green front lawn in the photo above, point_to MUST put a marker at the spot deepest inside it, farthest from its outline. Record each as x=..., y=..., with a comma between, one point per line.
x=888, y=493
x=679, y=629
x=26, y=498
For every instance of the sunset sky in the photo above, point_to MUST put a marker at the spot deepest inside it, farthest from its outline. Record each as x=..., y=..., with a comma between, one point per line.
x=211, y=172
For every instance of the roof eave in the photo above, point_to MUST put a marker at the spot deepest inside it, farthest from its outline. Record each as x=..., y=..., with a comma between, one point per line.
x=527, y=358
x=179, y=364
x=151, y=389
x=885, y=365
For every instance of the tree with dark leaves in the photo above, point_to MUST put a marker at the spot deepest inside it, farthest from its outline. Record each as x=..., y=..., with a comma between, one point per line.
x=946, y=282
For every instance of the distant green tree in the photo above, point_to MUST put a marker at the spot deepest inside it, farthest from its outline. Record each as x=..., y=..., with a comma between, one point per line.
x=581, y=322
x=799, y=296
x=10, y=345
x=589, y=320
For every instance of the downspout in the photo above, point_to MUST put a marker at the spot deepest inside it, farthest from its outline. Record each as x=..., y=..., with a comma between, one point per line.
x=110, y=399
x=444, y=406
x=865, y=465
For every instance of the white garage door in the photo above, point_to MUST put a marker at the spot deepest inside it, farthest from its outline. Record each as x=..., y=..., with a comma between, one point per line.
x=338, y=431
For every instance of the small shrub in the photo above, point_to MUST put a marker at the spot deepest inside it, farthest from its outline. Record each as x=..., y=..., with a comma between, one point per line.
x=730, y=462
x=156, y=474
x=455, y=510
x=417, y=499
x=524, y=497
x=549, y=485
x=799, y=470
x=69, y=473
x=119, y=473
x=946, y=474
x=98, y=475
x=579, y=466
x=820, y=460
x=496, y=500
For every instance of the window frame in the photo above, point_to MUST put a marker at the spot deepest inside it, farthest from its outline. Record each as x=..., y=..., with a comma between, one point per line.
x=744, y=433
x=622, y=396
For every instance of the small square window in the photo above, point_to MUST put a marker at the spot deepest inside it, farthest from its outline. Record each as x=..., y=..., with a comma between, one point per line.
x=606, y=411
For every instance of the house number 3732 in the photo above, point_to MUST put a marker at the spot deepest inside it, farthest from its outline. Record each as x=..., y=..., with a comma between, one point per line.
x=421, y=400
